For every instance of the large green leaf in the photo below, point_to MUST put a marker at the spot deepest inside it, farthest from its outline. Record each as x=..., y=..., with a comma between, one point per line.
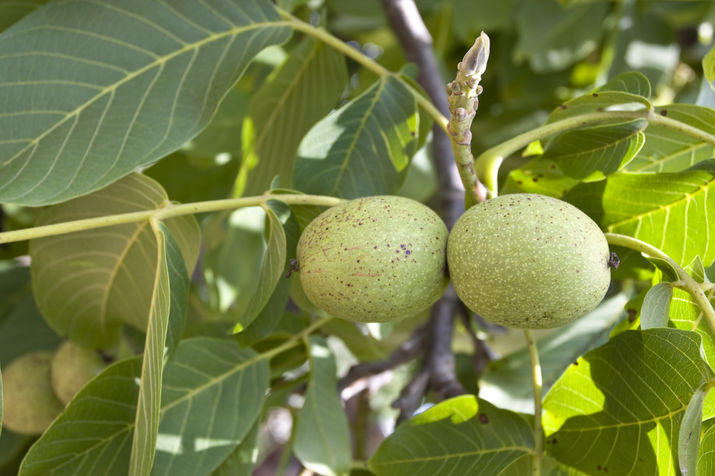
x=539, y=176
x=671, y=211
x=590, y=154
x=462, y=435
x=212, y=394
x=553, y=37
x=241, y=461
x=89, y=283
x=669, y=150
x=619, y=407
x=301, y=92
x=322, y=437
x=364, y=147
x=96, y=89
x=706, y=454
x=504, y=380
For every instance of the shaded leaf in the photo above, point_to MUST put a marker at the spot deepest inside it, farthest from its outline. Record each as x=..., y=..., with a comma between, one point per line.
x=187, y=178
x=22, y=328
x=322, y=437
x=459, y=436
x=619, y=407
x=504, y=380
x=102, y=88
x=553, y=37
x=689, y=435
x=671, y=211
x=241, y=461
x=12, y=11
x=364, y=147
x=592, y=153
x=301, y=92
x=656, y=306
x=89, y=283
x=271, y=270
x=212, y=394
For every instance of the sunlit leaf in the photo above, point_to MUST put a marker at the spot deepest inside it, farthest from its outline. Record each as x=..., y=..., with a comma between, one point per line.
x=212, y=394
x=303, y=90
x=541, y=176
x=459, y=436
x=591, y=153
x=619, y=407
x=709, y=67
x=625, y=91
x=89, y=283
x=656, y=306
x=671, y=211
x=706, y=454
x=670, y=150
x=322, y=436
x=98, y=88
x=364, y=147
x=689, y=435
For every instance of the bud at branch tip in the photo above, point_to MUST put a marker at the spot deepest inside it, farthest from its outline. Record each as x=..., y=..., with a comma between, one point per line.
x=475, y=61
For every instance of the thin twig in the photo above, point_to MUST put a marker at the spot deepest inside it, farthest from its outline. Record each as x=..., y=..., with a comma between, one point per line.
x=437, y=371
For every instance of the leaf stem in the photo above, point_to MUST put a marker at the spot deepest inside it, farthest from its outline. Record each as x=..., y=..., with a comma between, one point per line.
x=538, y=385
x=488, y=163
x=357, y=56
x=296, y=339
x=168, y=211
x=688, y=283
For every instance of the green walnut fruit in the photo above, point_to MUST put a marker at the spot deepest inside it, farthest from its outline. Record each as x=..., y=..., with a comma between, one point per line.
x=528, y=261
x=72, y=367
x=30, y=404
x=374, y=259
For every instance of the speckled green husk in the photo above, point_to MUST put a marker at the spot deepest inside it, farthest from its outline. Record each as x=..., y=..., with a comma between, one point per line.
x=528, y=261
x=374, y=259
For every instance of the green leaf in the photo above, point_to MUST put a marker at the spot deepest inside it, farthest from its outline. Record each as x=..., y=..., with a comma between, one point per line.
x=241, y=461
x=322, y=437
x=146, y=424
x=364, y=147
x=552, y=37
x=686, y=314
x=274, y=260
x=592, y=153
x=13, y=10
x=670, y=211
x=668, y=150
x=625, y=91
x=458, y=436
x=709, y=67
x=301, y=92
x=102, y=88
x=469, y=17
x=656, y=306
x=89, y=283
x=619, y=407
x=22, y=328
x=504, y=379
x=706, y=454
x=212, y=394
x=178, y=292
x=689, y=434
